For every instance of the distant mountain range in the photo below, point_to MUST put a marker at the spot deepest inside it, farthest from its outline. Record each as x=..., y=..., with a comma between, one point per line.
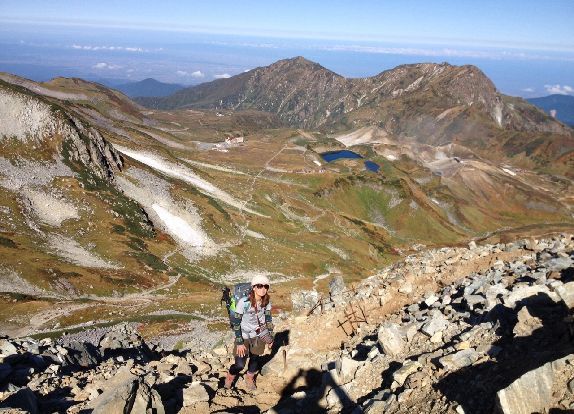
x=562, y=104
x=149, y=88
x=434, y=104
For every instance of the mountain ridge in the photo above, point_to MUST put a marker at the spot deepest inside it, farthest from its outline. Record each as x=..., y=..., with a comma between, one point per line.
x=562, y=105
x=429, y=103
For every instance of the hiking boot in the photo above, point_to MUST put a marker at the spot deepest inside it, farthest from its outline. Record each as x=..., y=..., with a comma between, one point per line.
x=229, y=380
x=250, y=380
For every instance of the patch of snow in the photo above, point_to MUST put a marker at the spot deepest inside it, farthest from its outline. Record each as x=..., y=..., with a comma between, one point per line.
x=183, y=223
x=179, y=228
x=72, y=251
x=317, y=162
x=253, y=234
x=510, y=172
x=185, y=174
x=498, y=114
x=391, y=157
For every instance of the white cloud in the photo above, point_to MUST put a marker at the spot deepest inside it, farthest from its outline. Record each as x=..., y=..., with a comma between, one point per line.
x=444, y=52
x=197, y=74
x=111, y=48
x=104, y=65
x=559, y=89
x=528, y=90
x=222, y=76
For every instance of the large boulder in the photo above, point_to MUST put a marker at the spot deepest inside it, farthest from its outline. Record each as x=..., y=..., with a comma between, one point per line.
x=390, y=339
x=83, y=354
x=519, y=398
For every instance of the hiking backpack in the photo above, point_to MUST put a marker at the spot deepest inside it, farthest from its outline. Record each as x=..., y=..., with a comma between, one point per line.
x=232, y=297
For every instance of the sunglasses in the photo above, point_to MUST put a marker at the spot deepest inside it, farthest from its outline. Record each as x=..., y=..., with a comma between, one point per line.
x=259, y=286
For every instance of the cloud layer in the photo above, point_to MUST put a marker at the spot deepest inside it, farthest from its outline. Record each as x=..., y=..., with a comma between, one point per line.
x=111, y=48
x=559, y=89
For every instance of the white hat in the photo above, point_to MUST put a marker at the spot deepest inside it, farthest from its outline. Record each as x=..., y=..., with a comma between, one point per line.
x=260, y=280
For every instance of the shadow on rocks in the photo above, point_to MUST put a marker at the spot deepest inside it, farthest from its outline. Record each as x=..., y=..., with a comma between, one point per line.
x=171, y=393
x=281, y=339
x=475, y=387
x=244, y=409
x=311, y=386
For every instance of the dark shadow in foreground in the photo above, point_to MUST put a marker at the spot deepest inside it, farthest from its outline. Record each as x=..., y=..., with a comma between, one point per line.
x=475, y=387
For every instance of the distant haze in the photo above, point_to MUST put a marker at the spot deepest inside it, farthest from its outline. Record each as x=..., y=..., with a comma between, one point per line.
x=526, y=48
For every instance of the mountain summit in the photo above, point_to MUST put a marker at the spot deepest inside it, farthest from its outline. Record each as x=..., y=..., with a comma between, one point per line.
x=435, y=104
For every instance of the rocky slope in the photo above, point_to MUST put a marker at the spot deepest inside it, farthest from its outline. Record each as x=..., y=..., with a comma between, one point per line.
x=456, y=330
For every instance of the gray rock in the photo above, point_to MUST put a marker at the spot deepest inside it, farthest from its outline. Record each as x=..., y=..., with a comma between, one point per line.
x=7, y=348
x=436, y=323
x=430, y=300
x=518, y=397
x=473, y=300
x=346, y=368
x=304, y=299
x=390, y=339
x=337, y=288
x=526, y=324
x=413, y=308
x=558, y=264
x=23, y=399
x=460, y=359
x=119, y=394
x=373, y=353
x=529, y=295
x=194, y=393
x=566, y=293
x=82, y=354
x=401, y=375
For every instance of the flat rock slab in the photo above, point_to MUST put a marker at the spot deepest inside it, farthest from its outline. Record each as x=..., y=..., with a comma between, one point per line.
x=519, y=398
x=460, y=359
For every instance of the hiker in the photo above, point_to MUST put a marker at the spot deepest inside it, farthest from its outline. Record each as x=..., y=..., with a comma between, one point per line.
x=253, y=328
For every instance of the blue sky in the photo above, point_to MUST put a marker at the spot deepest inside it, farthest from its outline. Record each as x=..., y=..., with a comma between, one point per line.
x=526, y=47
